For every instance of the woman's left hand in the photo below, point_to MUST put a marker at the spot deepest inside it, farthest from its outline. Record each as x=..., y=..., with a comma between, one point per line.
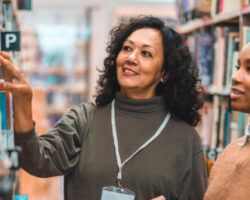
x=159, y=198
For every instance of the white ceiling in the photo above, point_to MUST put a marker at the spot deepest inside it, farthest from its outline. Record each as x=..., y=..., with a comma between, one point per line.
x=71, y=11
x=65, y=4
x=79, y=4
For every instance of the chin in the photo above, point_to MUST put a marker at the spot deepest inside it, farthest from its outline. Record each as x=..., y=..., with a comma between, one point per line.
x=240, y=108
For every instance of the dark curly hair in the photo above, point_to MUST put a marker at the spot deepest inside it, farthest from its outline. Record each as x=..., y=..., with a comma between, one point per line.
x=182, y=91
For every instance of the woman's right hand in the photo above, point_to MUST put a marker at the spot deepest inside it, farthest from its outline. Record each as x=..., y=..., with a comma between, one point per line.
x=21, y=91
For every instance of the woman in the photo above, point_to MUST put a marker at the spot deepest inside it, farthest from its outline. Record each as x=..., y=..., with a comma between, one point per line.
x=229, y=177
x=148, y=94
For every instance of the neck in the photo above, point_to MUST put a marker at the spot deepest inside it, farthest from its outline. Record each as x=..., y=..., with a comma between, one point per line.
x=137, y=95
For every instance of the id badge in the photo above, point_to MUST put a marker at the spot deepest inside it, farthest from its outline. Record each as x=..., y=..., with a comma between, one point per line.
x=117, y=193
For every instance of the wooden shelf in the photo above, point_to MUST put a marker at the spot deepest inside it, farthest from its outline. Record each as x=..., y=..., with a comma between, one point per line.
x=190, y=26
x=232, y=17
x=225, y=18
x=215, y=90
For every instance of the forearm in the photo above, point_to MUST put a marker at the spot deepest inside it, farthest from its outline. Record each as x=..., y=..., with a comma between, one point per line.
x=43, y=158
x=57, y=151
x=23, y=121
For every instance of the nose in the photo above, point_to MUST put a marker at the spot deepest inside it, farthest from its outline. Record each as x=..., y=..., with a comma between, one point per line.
x=237, y=77
x=133, y=57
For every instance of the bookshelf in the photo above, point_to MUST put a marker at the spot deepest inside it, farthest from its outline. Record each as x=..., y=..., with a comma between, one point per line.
x=56, y=87
x=215, y=37
x=8, y=151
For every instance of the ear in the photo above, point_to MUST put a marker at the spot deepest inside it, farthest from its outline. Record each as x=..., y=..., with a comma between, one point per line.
x=164, y=77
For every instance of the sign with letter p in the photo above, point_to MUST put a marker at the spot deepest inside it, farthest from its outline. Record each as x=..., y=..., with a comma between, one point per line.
x=10, y=41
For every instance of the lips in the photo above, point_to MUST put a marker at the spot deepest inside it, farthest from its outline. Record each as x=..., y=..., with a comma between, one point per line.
x=236, y=93
x=129, y=72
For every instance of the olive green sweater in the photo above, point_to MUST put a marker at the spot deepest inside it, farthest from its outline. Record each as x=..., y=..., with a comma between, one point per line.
x=80, y=146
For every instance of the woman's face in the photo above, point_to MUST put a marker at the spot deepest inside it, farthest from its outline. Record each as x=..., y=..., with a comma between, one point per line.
x=139, y=63
x=240, y=92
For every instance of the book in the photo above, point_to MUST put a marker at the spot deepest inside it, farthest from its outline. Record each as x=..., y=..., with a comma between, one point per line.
x=227, y=6
x=3, y=110
x=245, y=34
x=227, y=127
x=8, y=16
x=205, y=56
x=232, y=47
x=219, y=60
x=24, y=4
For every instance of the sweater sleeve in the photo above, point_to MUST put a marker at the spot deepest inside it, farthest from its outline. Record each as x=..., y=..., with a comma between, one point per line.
x=196, y=180
x=57, y=151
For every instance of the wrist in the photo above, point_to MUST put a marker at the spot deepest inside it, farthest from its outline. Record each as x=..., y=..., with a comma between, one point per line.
x=23, y=120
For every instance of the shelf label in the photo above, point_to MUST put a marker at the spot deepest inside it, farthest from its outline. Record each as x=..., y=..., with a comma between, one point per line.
x=10, y=41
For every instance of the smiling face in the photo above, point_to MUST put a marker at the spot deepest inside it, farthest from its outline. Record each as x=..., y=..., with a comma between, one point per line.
x=139, y=63
x=240, y=93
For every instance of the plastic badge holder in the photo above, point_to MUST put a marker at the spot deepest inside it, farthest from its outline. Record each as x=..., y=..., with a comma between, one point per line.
x=21, y=197
x=117, y=193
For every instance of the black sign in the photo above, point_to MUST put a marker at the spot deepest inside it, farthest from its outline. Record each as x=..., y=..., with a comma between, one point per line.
x=24, y=4
x=10, y=41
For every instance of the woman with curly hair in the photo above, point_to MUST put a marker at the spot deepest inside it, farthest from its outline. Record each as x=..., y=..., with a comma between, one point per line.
x=138, y=141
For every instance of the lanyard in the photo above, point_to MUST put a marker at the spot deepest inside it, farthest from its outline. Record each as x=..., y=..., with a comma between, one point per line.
x=117, y=153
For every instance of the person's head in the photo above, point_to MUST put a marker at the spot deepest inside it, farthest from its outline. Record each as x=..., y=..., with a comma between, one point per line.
x=240, y=91
x=147, y=59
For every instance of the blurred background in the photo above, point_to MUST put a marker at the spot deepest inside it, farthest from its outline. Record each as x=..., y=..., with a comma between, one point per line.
x=63, y=44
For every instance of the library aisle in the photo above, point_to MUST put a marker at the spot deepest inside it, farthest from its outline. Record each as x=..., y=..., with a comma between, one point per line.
x=62, y=44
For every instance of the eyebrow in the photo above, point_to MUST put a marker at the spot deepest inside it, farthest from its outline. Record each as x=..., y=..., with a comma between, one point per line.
x=145, y=45
x=246, y=61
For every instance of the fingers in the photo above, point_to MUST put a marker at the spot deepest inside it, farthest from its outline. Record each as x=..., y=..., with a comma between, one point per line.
x=6, y=86
x=6, y=55
x=9, y=70
x=18, y=90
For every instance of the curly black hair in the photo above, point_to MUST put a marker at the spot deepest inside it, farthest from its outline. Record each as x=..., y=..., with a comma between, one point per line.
x=182, y=92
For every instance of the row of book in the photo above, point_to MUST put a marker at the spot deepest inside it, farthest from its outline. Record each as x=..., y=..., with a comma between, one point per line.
x=220, y=125
x=8, y=22
x=216, y=51
x=6, y=119
x=190, y=9
x=8, y=19
x=222, y=6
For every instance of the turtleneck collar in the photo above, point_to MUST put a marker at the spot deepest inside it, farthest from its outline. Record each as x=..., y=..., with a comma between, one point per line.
x=144, y=106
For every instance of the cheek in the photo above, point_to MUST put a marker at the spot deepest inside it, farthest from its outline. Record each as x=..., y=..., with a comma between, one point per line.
x=247, y=82
x=121, y=57
x=118, y=63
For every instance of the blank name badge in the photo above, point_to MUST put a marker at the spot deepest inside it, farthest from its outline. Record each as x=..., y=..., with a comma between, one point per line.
x=117, y=193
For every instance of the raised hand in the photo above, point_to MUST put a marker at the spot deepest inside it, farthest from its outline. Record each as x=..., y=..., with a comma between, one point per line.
x=16, y=83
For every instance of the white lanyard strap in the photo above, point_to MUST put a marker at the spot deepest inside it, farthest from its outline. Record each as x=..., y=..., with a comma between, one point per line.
x=247, y=130
x=117, y=153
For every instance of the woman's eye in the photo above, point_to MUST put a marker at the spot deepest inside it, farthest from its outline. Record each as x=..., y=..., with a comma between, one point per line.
x=126, y=48
x=146, y=54
x=237, y=67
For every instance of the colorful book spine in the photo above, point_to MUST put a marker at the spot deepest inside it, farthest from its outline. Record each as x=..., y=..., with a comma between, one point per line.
x=6, y=121
x=3, y=110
